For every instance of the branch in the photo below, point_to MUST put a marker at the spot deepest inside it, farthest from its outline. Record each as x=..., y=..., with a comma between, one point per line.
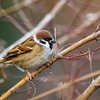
x=57, y=57
x=86, y=23
x=92, y=87
x=66, y=85
x=16, y=7
x=23, y=17
x=15, y=23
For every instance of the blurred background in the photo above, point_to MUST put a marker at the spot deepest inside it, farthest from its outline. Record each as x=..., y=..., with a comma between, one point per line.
x=74, y=20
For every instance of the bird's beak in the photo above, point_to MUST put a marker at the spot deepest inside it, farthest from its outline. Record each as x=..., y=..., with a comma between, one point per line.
x=52, y=41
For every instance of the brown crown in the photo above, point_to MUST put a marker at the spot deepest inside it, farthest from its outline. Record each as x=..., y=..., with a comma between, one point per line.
x=42, y=34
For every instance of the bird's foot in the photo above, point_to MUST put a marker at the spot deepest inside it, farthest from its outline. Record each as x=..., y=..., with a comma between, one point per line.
x=30, y=75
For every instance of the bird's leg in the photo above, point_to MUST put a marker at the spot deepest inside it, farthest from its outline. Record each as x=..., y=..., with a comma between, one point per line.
x=47, y=64
x=29, y=74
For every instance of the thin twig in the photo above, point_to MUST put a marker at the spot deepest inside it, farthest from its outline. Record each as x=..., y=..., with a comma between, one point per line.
x=42, y=68
x=15, y=23
x=92, y=87
x=66, y=85
x=23, y=17
x=16, y=7
x=88, y=22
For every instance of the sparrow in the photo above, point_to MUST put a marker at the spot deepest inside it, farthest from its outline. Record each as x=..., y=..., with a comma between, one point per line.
x=33, y=52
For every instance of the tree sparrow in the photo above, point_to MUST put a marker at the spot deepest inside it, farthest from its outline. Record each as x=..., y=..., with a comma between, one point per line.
x=33, y=52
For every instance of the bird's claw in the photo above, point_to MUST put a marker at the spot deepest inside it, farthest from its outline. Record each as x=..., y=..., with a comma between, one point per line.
x=30, y=75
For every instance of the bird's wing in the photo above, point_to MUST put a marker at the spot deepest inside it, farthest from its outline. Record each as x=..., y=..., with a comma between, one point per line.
x=22, y=48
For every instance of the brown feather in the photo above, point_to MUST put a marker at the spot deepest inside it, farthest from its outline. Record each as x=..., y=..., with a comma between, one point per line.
x=31, y=56
x=24, y=47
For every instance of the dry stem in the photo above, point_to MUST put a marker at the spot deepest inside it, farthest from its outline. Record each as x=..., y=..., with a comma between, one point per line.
x=57, y=57
x=16, y=7
x=92, y=87
x=67, y=85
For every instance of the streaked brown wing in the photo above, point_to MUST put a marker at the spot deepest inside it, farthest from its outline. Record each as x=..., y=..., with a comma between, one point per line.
x=22, y=48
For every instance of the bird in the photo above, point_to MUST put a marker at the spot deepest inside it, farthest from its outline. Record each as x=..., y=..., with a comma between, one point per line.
x=33, y=52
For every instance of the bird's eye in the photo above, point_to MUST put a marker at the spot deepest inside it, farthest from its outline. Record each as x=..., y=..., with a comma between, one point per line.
x=42, y=41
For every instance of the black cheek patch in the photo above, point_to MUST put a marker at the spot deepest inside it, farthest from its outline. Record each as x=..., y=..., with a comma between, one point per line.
x=43, y=42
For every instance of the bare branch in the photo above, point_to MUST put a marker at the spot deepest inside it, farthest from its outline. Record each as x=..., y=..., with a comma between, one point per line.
x=88, y=22
x=23, y=17
x=92, y=87
x=67, y=85
x=16, y=7
x=57, y=57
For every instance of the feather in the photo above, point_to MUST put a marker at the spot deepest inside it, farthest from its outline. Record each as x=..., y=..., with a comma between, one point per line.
x=22, y=48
